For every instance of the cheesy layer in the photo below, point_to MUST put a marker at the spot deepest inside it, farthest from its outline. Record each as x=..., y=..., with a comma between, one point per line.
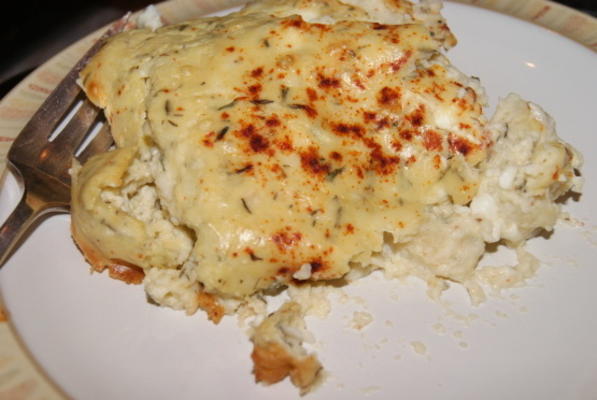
x=284, y=148
x=288, y=142
x=301, y=141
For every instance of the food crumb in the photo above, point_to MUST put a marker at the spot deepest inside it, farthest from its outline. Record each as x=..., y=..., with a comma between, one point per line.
x=342, y=297
x=3, y=315
x=370, y=390
x=361, y=319
x=589, y=236
x=472, y=317
x=463, y=345
x=439, y=329
x=419, y=347
x=359, y=300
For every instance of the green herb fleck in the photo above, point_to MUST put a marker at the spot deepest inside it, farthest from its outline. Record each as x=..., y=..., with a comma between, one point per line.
x=229, y=105
x=222, y=133
x=254, y=257
x=314, y=217
x=338, y=217
x=246, y=207
x=334, y=173
x=246, y=168
x=284, y=92
x=261, y=101
x=296, y=106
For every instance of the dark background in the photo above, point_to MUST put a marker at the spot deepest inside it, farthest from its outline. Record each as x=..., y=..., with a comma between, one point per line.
x=34, y=30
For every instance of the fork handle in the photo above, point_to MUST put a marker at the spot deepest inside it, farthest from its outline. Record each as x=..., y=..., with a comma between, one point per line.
x=18, y=223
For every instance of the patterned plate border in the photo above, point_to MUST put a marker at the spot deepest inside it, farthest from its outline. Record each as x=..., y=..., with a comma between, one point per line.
x=20, y=377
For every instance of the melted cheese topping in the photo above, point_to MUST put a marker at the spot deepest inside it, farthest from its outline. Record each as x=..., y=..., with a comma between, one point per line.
x=284, y=143
x=306, y=140
x=263, y=148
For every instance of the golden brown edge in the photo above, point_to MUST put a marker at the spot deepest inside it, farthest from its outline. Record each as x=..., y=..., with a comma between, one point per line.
x=133, y=274
x=117, y=269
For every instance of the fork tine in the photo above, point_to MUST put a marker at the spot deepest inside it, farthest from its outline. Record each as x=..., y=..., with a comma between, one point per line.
x=100, y=143
x=47, y=184
x=57, y=105
x=49, y=115
x=76, y=129
x=55, y=158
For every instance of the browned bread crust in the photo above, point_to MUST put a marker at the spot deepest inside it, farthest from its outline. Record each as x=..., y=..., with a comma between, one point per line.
x=272, y=363
x=133, y=274
x=278, y=350
x=209, y=304
x=117, y=269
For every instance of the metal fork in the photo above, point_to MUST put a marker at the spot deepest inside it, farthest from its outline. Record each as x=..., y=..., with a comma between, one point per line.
x=41, y=159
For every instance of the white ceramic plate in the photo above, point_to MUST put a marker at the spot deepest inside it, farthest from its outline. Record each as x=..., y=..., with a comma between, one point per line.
x=99, y=339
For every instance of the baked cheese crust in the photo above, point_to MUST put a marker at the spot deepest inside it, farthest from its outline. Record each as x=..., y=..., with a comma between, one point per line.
x=305, y=142
x=302, y=141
